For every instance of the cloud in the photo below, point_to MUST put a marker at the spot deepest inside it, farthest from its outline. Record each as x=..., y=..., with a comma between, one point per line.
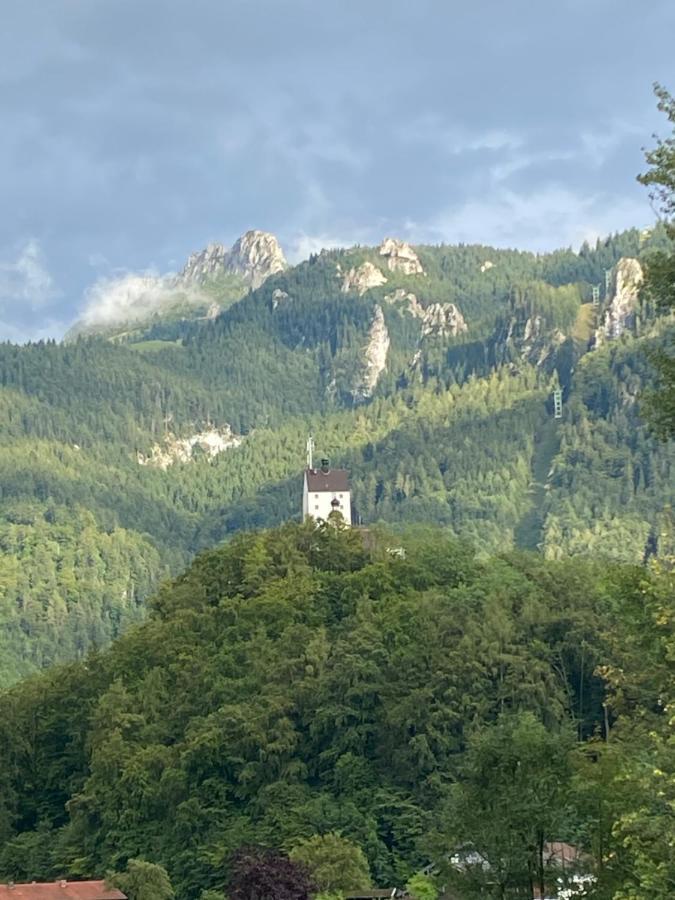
x=131, y=297
x=26, y=281
x=302, y=245
x=28, y=293
x=528, y=220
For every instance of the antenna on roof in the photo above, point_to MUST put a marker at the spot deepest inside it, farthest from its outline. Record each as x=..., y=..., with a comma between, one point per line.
x=310, y=451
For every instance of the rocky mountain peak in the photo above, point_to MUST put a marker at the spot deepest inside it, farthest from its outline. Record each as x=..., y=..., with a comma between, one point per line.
x=400, y=257
x=205, y=264
x=255, y=256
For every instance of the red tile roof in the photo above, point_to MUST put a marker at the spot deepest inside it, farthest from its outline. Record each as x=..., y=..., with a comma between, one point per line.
x=60, y=890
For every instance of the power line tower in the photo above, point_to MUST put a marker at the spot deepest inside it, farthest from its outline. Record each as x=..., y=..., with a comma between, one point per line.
x=596, y=295
x=557, y=403
x=310, y=452
x=608, y=282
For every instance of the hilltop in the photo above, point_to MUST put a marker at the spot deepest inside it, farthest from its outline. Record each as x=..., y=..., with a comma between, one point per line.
x=427, y=371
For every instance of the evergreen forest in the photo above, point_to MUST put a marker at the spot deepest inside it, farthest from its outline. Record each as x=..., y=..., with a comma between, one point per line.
x=456, y=429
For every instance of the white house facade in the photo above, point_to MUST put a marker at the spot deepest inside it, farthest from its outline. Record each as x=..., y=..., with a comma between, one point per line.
x=325, y=491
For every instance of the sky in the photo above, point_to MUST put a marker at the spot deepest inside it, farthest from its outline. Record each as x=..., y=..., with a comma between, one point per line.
x=134, y=132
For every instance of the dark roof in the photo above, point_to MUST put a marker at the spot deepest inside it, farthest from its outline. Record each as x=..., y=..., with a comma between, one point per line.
x=61, y=890
x=332, y=480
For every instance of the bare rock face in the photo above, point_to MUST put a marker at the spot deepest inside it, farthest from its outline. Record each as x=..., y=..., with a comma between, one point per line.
x=400, y=257
x=443, y=319
x=487, y=265
x=255, y=256
x=208, y=443
x=205, y=264
x=619, y=313
x=374, y=357
x=412, y=304
x=362, y=278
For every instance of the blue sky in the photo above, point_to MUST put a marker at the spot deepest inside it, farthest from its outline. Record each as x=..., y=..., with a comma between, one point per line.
x=136, y=131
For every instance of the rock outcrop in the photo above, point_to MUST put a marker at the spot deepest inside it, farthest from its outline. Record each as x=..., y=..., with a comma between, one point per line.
x=205, y=264
x=374, y=357
x=255, y=256
x=209, y=443
x=440, y=319
x=400, y=257
x=362, y=278
x=619, y=312
x=410, y=302
x=443, y=319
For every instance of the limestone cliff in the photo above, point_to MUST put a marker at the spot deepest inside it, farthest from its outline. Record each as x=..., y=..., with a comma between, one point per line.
x=209, y=442
x=619, y=312
x=400, y=257
x=443, y=319
x=374, y=357
x=362, y=278
x=255, y=256
x=205, y=264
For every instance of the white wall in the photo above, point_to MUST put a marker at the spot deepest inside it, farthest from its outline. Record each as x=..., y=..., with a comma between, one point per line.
x=319, y=505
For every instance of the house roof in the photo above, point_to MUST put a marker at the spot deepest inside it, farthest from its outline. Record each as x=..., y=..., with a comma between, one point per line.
x=319, y=480
x=60, y=890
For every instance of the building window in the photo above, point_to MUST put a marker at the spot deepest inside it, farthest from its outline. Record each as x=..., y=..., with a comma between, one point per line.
x=317, y=506
x=316, y=496
x=340, y=496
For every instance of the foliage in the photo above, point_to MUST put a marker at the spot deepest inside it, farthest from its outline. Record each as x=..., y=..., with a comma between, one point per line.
x=422, y=887
x=458, y=432
x=302, y=682
x=659, y=285
x=143, y=881
x=335, y=864
x=511, y=798
x=258, y=874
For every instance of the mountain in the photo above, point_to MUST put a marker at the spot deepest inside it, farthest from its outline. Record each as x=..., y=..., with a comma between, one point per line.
x=254, y=257
x=427, y=371
x=210, y=281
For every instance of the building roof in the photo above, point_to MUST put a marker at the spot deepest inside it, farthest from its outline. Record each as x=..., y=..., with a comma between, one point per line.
x=331, y=480
x=60, y=890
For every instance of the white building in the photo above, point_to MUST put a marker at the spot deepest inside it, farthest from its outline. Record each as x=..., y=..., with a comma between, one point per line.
x=325, y=491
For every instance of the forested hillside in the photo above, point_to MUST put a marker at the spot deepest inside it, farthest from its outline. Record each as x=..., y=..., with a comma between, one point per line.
x=426, y=371
x=421, y=703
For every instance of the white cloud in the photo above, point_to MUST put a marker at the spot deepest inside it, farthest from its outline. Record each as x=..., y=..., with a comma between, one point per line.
x=130, y=297
x=539, y=220
x=302, y=245
x=25, y=282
